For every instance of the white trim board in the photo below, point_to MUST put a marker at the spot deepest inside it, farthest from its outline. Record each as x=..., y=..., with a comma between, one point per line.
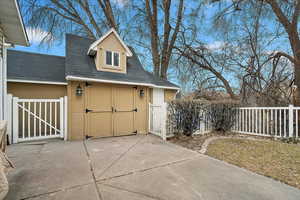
x=36, y=82
x=76, y=78
x=112, y=30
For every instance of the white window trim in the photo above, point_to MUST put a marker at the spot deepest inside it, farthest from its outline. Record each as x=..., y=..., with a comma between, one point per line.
x=112, y=58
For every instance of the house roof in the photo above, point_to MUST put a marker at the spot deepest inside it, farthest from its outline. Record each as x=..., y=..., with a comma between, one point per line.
x=80, y=66
x=93, y=47
x=25, y=66
x=77, y=65
x=12, y=23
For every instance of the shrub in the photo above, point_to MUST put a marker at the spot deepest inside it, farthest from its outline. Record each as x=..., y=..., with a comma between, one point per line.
x=184, y=116
x=222, y=115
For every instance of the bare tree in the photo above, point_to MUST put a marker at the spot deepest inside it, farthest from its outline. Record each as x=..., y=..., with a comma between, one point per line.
x=161, y=56
x=286, y=13
x=84, y=17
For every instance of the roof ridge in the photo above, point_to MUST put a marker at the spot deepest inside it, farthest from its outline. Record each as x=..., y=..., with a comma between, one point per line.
x=35, y=53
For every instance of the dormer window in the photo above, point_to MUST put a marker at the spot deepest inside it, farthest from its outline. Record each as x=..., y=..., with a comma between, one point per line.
x=112, y=58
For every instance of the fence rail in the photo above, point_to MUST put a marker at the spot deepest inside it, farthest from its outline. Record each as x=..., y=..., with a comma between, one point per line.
x=268, y=121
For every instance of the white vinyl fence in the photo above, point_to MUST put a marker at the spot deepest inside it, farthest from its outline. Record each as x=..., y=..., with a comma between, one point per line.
x=278, y=122
x=268, y=121
x=34, y=119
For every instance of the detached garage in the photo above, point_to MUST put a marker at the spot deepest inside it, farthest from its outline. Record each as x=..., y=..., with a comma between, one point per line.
x=108, y=90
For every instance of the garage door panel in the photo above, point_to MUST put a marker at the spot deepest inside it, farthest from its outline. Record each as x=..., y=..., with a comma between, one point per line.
x=100, y=97
x=100, y=124
x=124, y=98
x=124, y=123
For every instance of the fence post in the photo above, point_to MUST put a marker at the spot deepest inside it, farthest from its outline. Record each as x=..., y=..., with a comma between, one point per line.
x=291, y=120
x=9, y=117
x=164, y=121
x=61, y=117
x=65, y=118
x=15, y=112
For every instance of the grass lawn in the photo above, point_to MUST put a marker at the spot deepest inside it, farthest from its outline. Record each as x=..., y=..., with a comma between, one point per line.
x=274, y=159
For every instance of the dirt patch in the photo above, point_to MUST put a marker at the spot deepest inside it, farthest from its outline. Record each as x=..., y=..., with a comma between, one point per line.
x=194, y=142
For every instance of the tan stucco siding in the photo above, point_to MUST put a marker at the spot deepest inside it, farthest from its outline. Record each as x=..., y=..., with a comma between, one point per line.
x=141, y=119
x=78, y=118
x=170, y=95
x=110, y=43
x=36, y=91
x=76, y=112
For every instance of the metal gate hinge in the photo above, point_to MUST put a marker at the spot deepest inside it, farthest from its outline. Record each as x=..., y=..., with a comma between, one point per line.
x=87, y=110
x=135, y=110
x=135, y=132
x=88, y=137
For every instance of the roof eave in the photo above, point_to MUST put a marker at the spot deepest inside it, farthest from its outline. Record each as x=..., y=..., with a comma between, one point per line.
x=14, y=31
x=78, y=78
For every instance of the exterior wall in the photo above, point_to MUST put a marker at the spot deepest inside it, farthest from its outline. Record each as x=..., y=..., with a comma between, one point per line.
x=77, y=105
x=76, y=112
x=170, y=95
x=36, y=91
x=110, y=43
x=2, y=74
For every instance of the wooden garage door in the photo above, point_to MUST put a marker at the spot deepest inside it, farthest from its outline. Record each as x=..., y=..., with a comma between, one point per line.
x=99, y=104
x=124, y=110
x=110, y=110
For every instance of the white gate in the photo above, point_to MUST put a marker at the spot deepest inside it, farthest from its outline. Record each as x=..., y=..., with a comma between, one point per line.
x=157, y=120
x=35, y=119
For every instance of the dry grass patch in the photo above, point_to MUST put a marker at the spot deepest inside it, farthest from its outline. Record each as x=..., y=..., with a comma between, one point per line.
x=274, y=159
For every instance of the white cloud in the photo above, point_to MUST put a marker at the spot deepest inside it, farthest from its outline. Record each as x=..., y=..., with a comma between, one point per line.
x=36, y=35
x=216, y=45
x=121, y=3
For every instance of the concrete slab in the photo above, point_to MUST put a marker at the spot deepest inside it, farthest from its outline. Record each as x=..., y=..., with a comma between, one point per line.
x=150, y=152
x=86, y=192
x=105, y=151
x=56, y=166
x=110, y=193
x=204, y=178
x=134, y=167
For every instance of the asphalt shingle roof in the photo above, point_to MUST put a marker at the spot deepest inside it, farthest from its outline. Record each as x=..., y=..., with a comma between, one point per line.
x=40, y=67
x=35, y=67
x=79, y=64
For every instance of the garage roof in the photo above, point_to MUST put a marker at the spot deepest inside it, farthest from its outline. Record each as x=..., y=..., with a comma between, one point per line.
x=80, y=66
x=77, y=65
x=12, y=23
x=25, y=66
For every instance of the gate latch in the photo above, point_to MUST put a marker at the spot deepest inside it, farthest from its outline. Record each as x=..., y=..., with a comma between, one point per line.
x=135, y=110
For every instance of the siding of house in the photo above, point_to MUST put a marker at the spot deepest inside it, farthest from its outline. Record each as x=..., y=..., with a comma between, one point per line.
x=36, y=91
x=110, y=43
x=170, y=95
x=1, y=42
x=2, y=74
x=77, y=106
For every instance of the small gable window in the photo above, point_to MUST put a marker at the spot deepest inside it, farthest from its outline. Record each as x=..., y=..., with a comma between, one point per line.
x=108, y=57
x=112, y=58
x=116, y=59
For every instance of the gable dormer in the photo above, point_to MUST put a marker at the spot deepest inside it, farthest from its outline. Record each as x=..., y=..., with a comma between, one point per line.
x=110, y=53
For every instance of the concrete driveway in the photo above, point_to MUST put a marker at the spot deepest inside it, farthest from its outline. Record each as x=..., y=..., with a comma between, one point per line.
x=131, y=168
